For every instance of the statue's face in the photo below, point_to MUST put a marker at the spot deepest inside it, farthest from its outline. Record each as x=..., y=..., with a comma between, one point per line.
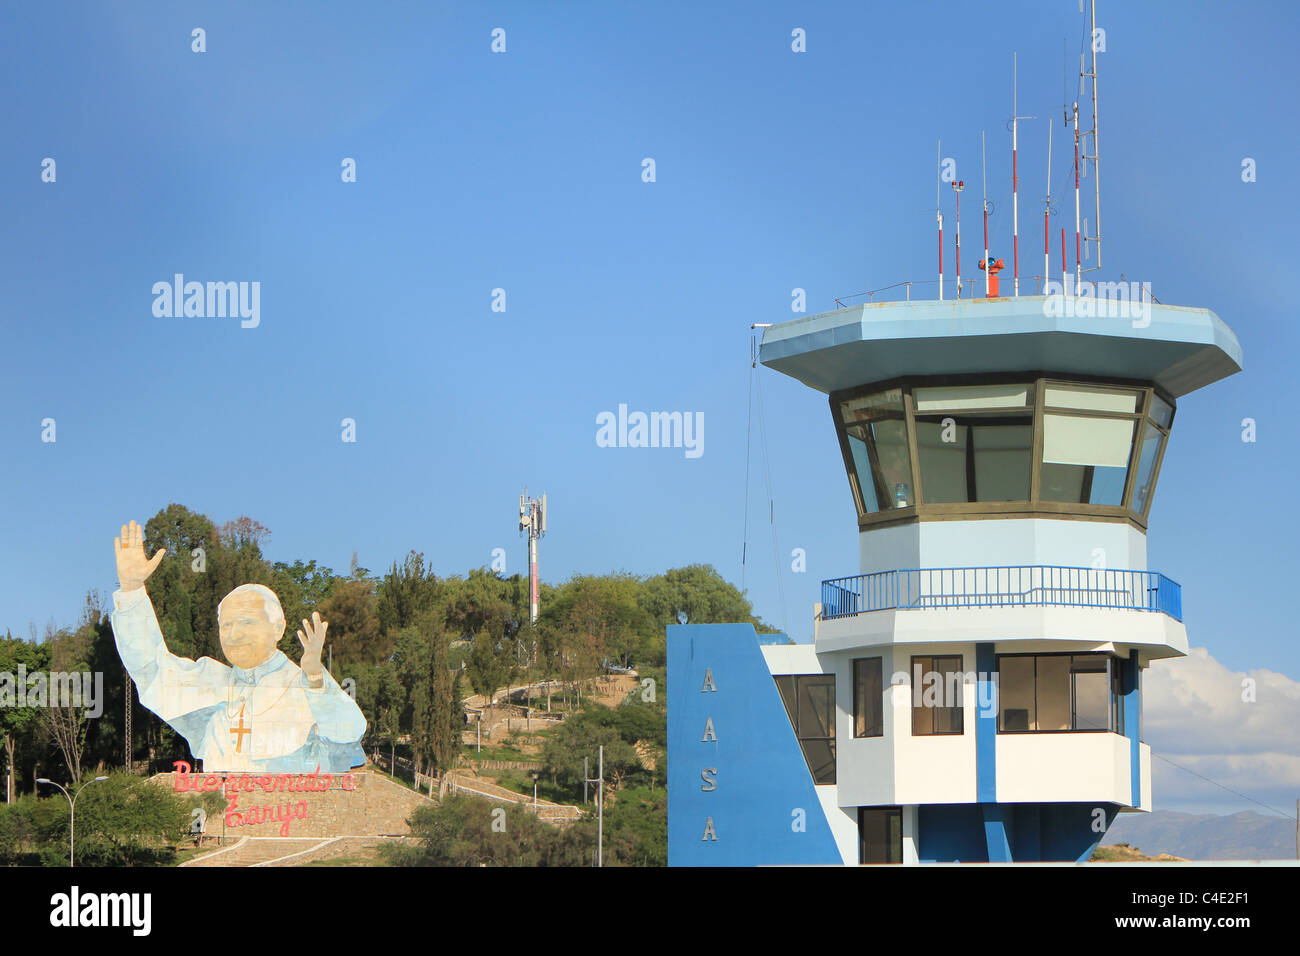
x=248, y=636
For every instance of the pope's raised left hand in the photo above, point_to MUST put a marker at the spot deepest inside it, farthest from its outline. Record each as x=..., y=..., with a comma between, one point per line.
x=313, y=642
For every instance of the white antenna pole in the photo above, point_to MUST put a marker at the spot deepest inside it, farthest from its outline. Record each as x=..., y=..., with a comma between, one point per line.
x=1065, y=270
x=985, y=176
x=1015, y=198
x=957, y=186
x=1047, y=211
x=532, y=521
x=532, y=571
x=938, y=213
x=1078, y=264
x=1096, y=146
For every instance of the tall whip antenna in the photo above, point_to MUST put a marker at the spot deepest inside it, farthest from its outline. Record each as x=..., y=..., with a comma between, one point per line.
x=1015, y=198
x=938, y=210
x=1095, y=239
x=1078, y=266
x=1047, y=211
x=985, y=176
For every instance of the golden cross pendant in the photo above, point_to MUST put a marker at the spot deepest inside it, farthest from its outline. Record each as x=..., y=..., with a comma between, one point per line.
x=240, y=731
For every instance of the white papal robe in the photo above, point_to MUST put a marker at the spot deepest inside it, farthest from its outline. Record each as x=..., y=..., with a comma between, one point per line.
x=266, y=719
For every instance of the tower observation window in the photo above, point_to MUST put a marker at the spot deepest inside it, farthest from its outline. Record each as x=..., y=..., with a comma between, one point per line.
x=1085, y=460
x=876, y=429
x=1041, y=446
x=974, y=442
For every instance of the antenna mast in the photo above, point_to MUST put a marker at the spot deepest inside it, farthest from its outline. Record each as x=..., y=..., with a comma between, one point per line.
x=938, y=211
x=1096, y=148
x=1015, y=197
x=1047, y=211
x=1078, y=265
x=957, y=186
x=532, y=520
x=985, y=176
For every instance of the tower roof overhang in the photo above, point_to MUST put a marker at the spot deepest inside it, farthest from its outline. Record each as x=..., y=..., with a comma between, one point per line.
x=1178, y=348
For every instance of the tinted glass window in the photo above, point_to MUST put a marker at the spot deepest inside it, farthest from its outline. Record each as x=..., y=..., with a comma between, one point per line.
x=876, y=431
x=868, y=698
x=965, y=458
x=1085, y=460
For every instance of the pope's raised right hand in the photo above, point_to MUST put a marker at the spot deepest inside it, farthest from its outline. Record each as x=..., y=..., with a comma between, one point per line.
x=133, y=568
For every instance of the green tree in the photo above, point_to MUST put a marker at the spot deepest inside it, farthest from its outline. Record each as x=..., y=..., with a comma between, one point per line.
x=581, y=736
x=18, y=725
x=127, y=820
x=382, y=699
x=484, y=601
x=123, y=821
x=408, y=595
x=636, y=828
x=436, y=714
x=173, y=586
x=467, y=831
x=302, y=588
x=489, y=665
x=354, y=633
x=71, y=653
x=699, y=593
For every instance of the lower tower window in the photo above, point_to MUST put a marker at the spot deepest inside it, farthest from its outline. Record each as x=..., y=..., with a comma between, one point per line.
x=880, y=835
x=810, y=704
x=937, y=695
x=1042, y=693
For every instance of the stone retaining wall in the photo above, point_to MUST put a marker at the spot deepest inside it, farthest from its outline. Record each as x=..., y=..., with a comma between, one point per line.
x=356, y=804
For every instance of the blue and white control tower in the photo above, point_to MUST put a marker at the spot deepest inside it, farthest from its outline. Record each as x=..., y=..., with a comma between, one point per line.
x=974, y=692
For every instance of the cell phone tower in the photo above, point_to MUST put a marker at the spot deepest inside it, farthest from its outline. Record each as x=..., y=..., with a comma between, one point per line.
x=532, y=519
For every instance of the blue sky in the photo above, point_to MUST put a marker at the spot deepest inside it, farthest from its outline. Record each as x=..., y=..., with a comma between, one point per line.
x=522, y=171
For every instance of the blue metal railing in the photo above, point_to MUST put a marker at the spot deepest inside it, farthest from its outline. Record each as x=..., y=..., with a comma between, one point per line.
x=1025, y=585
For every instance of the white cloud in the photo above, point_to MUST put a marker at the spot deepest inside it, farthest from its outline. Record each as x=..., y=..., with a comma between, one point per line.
x=1195, y=714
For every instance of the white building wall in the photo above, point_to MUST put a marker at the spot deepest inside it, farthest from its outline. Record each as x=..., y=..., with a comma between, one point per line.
x=1002, y=542
x=843, y=823
x=865, y=765
x=1064, y=768
x=899, y=768
x=933, y=768
x=1144, y=760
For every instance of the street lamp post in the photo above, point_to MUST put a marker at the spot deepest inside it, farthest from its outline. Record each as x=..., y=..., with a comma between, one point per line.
x=534, y=774
x=72, y=820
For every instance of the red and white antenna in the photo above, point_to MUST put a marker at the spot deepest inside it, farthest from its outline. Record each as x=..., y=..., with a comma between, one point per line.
x=957, y=186
x=1078, y=264
x=1047, y=211
x=938, y=212
x=985, y=176
x=1095, y=239
x=1015, y=197
x=1065, y=270
x=532, y=520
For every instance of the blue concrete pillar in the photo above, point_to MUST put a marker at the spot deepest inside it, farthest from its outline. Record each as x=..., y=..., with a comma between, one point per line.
x=1130, y=681
x=995, y=831
x=986, y=725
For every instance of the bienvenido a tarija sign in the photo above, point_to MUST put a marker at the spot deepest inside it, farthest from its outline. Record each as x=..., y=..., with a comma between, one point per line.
x=234, y=786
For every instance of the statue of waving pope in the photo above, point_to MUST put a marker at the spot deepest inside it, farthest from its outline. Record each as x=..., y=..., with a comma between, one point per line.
x=261, y=712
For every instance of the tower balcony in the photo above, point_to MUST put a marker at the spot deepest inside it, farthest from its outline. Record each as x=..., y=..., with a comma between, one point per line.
x=1027, y=602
